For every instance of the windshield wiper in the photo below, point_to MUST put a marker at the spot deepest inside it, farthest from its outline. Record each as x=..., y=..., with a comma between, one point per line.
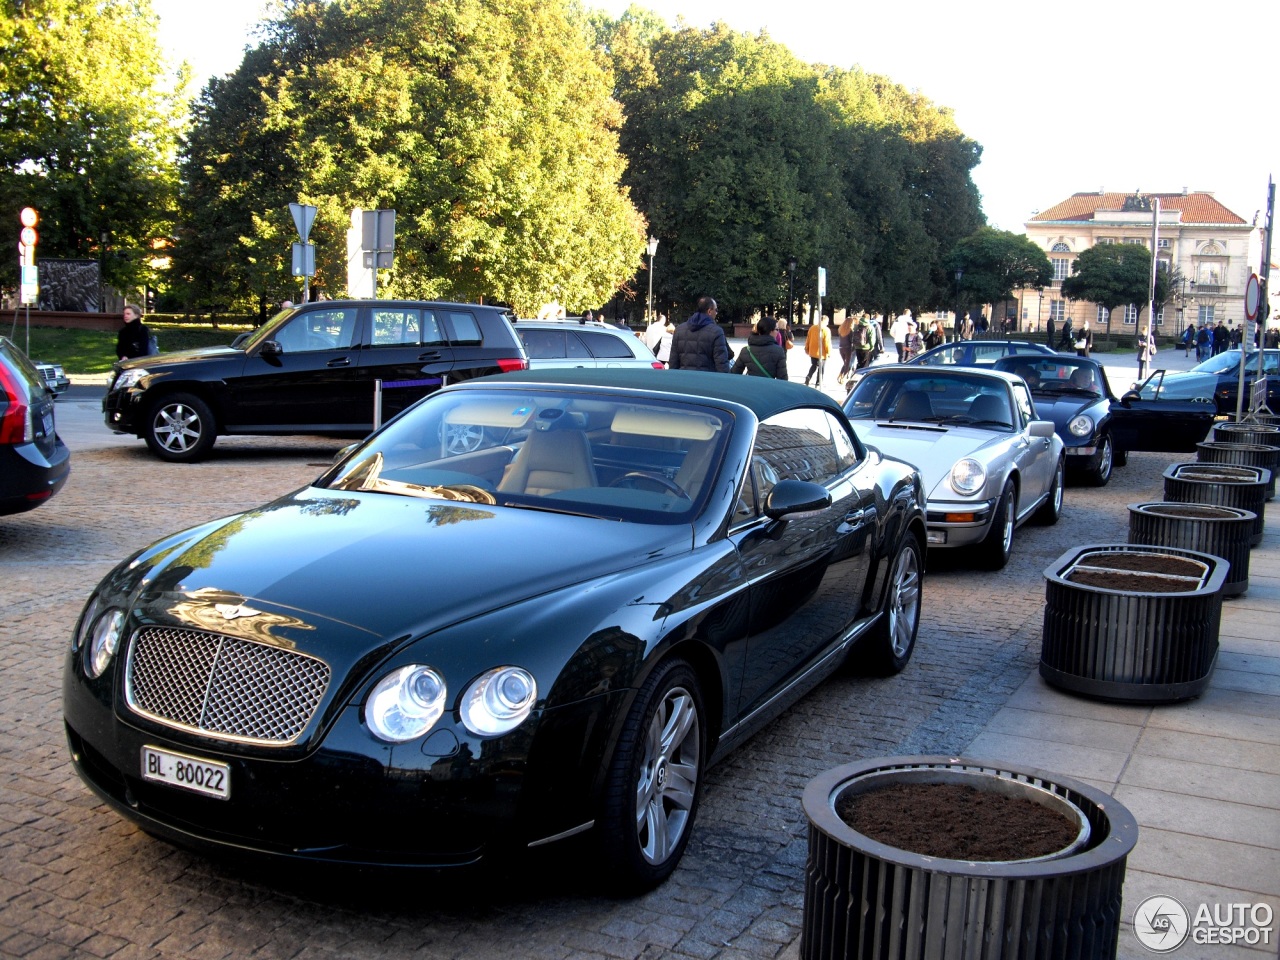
x=546, y=509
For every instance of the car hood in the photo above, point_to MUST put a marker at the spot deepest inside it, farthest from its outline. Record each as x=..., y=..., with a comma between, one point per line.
x=384, y=566
x=1061, y=409
x=931, y=448
x=194, y=355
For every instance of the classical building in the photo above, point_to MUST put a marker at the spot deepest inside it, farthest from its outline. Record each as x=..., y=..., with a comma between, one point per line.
x=1205, y=242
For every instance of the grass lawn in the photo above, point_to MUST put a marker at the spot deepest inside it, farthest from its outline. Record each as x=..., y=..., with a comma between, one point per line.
x=92, y=351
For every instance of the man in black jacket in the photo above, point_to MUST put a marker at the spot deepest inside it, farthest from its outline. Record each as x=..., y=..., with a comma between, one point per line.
x=699, y=343
x=763, y=356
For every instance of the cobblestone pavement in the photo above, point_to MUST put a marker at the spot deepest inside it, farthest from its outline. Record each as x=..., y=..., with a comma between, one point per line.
x=77, y=881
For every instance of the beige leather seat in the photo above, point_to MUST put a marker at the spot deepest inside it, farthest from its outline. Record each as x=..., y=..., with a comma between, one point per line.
x=550, y=461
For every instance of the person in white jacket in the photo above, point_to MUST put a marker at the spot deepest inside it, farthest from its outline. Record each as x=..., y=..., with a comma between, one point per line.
x=898, y=333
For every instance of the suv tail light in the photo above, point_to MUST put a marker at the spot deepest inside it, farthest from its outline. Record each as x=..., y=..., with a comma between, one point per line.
x=510, y=364
x=16, y=425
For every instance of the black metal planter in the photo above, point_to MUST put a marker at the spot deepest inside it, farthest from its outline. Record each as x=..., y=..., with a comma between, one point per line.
x=1242, y=455
x=865, y=899
x=1119, y=642
x=1222, y=531
x=1223, y=484
x=1247, y=432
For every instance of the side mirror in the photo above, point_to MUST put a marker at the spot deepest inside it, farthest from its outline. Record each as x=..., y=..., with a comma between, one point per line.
x=790, y=497
x=1040, y=428
x=270, y=348
x=1129, y=396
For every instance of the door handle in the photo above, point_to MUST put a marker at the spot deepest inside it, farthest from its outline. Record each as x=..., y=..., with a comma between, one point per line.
x=339, y=362
x=855, y=518
x=429, y=355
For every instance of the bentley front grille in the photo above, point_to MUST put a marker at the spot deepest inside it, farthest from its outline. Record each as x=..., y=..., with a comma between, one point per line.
x=223, y=686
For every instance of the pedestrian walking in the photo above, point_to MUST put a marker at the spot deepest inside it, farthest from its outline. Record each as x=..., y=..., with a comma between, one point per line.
x=699, y=343
x=898, y=333
x=966, y=328
x=1188, y=339
x=936, y=336
x=1221, y=338
x=134, y=338
x=1084, y=341
x=912, y=344
x=865, y=338
x=817, y=344
x=1204, y=341
x=1068, y=341
x=763, y=356
x=1146, y=353
x=844, y=340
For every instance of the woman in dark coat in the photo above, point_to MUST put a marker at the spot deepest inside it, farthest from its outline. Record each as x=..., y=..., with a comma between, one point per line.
x=134, y=338
x=763, y=356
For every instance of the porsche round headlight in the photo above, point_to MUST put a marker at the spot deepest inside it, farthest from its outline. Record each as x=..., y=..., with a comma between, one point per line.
x=1080, y=426
x=499, y=701
x=968, y=476
x=406, y=703
x=104, y=641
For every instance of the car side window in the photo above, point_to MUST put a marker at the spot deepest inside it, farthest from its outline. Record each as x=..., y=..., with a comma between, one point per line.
x=316, y=330
x=404, y=326
x=543, y=344
x=574, y=347
x=604, y=346
x=463, y=328
x=1022, y=398
x=805, y=444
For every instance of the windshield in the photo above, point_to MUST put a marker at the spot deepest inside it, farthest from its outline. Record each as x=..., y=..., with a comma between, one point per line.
x=1050, y=376
x=544, y=449
x=1229, y=362
x=914, y=396
x=1179, y=386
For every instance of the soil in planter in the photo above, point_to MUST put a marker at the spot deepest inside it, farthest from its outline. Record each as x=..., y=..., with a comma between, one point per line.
x=1189, y=511
x=957, y=822
x=1215, y=476
x=1145, y=563
x=1131, y=582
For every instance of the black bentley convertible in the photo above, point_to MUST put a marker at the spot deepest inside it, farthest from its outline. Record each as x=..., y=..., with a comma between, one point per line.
x=531, y=606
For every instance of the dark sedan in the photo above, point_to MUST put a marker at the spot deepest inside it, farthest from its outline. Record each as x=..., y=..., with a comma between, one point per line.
x=34, y=462
x=978, y=353
x=1098, y=429
x=428, y=657
x=1218, y=380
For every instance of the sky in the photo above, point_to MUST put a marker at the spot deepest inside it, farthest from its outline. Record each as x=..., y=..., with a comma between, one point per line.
x=1064, y=97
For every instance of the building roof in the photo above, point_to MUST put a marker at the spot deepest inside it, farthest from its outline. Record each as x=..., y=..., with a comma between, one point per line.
x=1195, y=207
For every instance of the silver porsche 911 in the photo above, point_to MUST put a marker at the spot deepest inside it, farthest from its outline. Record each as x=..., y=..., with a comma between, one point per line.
x=988, y=463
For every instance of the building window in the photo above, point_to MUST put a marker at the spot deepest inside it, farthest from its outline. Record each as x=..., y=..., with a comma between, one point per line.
x=1136, y=241
x=1106, y=240
x=1061, y=268
x=1057, y=310
x=1060, y=247
x=1026, y=313
x=1103, y=316
x=1163, y=243
x=1206, y=314
x=1131, y=314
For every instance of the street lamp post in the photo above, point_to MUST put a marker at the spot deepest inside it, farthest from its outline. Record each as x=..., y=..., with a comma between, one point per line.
x=653, y=249
x=956, y=325
x=791, y=288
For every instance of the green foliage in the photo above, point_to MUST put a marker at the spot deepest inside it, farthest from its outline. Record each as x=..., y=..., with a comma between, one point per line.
x=488, y=126
x=94, y=351
x=997, y=262
x=88, y=125
x=1110, y=275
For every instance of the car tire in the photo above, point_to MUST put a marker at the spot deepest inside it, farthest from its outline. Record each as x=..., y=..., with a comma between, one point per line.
x=994, y=550
x=1119, y=458
x=180, y=428
x=1103, y=462
x=652, y=790
x=1051, y=509
x=888, y=647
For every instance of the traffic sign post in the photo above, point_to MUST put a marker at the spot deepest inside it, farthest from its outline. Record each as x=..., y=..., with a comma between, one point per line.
x=378, y=241
x=304, y=253
x=29, y=289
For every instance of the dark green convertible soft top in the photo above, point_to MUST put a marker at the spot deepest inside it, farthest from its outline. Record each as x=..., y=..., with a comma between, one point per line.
x=762, y=396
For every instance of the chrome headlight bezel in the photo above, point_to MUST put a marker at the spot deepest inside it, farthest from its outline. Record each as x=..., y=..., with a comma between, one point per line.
x=967, y=476
x=103, y=641
x=406, y=703
x=498, y=701
x=1081, y=426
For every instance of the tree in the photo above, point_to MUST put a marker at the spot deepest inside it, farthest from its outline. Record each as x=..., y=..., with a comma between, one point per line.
x=488, y=126
x=1110, y=275
x=89, y=117
x=997, y=262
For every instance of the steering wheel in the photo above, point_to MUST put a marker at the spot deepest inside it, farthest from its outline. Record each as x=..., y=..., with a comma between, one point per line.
x=670, y=486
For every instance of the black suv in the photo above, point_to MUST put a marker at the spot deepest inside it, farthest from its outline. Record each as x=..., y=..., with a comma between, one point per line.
x=34, y=462
x=310, y=369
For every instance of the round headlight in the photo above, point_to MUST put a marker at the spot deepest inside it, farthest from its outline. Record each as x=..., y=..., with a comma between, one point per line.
x=1080, y=426
x=406, y=703
x=104, y=641
x=499, y=701
x=968, y=476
